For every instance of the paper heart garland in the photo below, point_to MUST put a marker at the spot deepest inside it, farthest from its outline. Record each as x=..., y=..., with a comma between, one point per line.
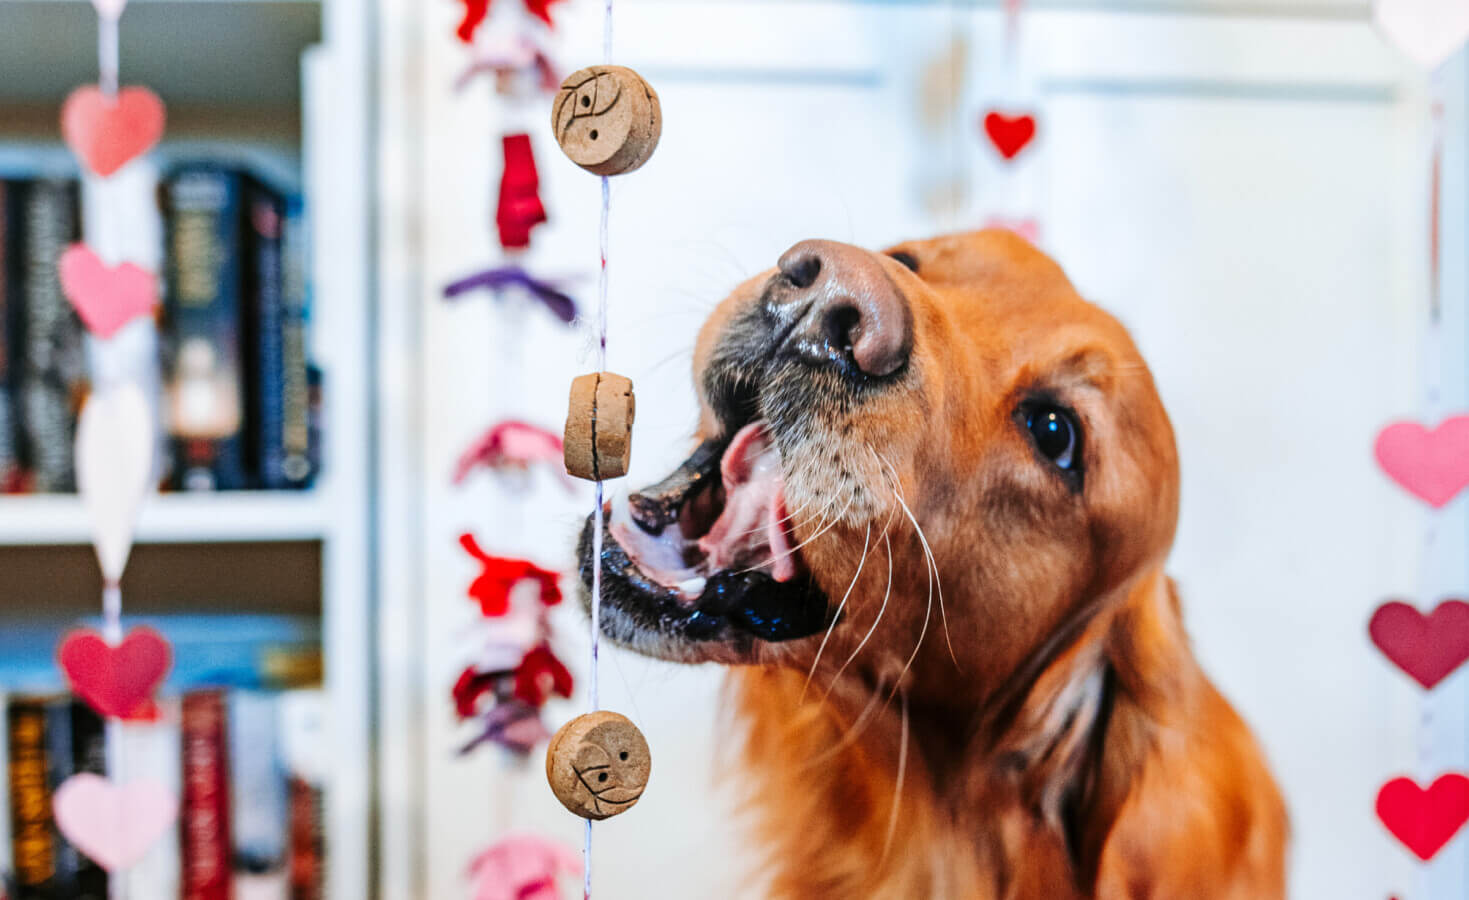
x=1430, y=647
x=1424, y=820
x=106, y=297
x=117, y=681
x=108, y=134
x=1431, y=464
x=114, y=463
x=1429, y=31
x=1009, y=134
x=114, y=825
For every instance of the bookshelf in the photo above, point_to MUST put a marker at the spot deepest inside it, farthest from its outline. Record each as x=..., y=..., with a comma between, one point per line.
x=284, y=86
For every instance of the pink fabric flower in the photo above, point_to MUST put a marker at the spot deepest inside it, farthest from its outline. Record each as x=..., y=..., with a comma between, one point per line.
x=522, y=867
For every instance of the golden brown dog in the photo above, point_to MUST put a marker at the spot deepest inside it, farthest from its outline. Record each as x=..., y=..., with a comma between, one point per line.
x=927, y=521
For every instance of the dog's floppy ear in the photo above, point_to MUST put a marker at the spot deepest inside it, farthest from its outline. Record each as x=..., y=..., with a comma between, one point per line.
x=1082, y=735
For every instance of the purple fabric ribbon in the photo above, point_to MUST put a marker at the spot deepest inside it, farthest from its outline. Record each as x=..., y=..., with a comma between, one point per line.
x=499, y=279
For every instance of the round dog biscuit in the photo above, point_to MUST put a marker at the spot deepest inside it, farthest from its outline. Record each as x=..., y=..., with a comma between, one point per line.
x=607, y=119
x=598, y=765
x=597, y=441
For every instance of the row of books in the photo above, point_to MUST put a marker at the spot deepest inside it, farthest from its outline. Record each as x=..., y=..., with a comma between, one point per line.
x=247, y=766
x=240, y=398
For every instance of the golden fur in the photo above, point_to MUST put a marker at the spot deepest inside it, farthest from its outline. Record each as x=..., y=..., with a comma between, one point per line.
x=1008, y=706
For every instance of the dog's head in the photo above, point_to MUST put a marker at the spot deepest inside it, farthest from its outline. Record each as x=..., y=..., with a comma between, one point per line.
x=916, y=465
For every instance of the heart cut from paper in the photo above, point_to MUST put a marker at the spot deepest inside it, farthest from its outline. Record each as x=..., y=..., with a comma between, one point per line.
x=1430, y=647
x=107, y=134
x=1009, y=134
x=1431, y=464
x=117, y=681
x=115, y=825
x=1429, y=31
x=106, y=297
x=1424, y=820
x=114, y=463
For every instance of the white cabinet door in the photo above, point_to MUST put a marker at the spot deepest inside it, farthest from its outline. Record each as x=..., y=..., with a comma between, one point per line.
x=1247, y=194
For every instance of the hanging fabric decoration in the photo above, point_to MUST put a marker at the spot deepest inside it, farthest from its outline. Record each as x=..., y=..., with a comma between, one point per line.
x=520, y=207
x=119, y=679
x=115, y=825
x=500, y=575
x=507, y=62
x=1424, y=820
x=522, y=867
x=511, y=447
x=476, y=11
x=503, y=278
x=1429, y=648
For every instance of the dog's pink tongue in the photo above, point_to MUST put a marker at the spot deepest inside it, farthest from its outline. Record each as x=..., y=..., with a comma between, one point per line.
x=751, y=530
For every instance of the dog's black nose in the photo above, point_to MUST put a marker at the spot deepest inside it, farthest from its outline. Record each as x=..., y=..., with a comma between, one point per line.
x=849, y=307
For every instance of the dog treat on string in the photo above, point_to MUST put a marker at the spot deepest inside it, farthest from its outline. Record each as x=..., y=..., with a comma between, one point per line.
x=598, y=765
x=599, y=416
x=607, y=119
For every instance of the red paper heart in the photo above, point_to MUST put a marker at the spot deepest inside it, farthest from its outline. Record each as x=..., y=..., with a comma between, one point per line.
x=107, y=134
x=106, y=297
x=1427, y=647
x=1009, y=134
x=1433, y=465
x=1424, y=820
x=117, y=681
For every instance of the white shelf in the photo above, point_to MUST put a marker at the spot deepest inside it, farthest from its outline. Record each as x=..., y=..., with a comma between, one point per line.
x=172, y=518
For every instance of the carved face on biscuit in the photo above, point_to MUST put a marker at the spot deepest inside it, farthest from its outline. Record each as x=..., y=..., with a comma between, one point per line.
x=607, y=119
x=598, y=765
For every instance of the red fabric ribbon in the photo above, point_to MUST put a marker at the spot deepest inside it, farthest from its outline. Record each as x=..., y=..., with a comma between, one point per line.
x=520, y=207
x=500, y=575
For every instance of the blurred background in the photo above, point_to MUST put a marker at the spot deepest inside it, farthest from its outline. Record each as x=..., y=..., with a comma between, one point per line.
x=1255, y=188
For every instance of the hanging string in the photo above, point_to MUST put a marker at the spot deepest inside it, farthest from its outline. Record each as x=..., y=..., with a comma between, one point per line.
x=107, y=55
x=597, y=522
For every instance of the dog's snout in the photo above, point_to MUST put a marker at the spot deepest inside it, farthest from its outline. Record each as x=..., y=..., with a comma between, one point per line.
x=847, y=305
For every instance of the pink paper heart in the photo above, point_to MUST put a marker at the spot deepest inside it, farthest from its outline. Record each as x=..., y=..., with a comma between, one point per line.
x=108, y=134
x=1433, y=465
x=114, y=825
x=117, y=681
x=106, y=297
x=1429, y=31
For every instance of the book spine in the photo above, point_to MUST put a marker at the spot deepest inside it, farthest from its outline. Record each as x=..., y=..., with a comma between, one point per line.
x=303, y=750
x=32, y=832
x=206, y=388
x=295, y=295
x=266, y=320
x=204, y=829
x=258, y=799
x=77, y=744
x=9, y=449
x=54, y=374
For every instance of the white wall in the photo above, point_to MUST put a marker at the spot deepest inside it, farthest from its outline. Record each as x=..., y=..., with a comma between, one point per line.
x=1246, y=194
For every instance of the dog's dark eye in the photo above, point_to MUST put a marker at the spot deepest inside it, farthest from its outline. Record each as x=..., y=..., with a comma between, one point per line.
x=906, y=258
x=1056, y=434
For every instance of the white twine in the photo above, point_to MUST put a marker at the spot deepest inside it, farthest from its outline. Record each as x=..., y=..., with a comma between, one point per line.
x=597, y=522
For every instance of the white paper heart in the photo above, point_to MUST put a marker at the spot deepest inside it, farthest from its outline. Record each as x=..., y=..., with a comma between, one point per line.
x=114, y=461
x=109, y=9
x=115, y=825
x=1429, y=31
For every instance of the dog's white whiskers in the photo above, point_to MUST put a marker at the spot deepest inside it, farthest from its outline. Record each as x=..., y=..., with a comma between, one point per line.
x=935, y=577
x=888, y=592
x=837, y=615
x=887, y=843
x=826, y=526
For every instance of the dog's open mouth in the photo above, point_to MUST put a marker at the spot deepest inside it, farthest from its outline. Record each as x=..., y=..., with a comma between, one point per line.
x=708, y=553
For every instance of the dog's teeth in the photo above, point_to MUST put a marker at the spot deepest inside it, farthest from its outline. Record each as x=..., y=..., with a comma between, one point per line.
x=692, y=586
